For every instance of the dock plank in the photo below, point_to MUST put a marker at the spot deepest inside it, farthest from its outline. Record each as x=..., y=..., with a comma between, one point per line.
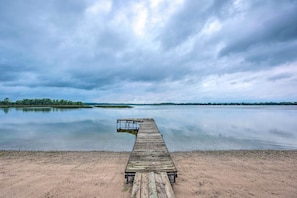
x=152, y=185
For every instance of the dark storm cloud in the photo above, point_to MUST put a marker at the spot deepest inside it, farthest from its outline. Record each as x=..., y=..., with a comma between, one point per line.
x=190, y=19
x=26, y=21
x=8, y=73
x=266, y=24
x=11, y=72
x=277, y=54
x=280, y=77
x=67, y=84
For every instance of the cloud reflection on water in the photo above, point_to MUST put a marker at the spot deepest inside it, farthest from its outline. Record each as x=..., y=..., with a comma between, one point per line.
x=184, y=128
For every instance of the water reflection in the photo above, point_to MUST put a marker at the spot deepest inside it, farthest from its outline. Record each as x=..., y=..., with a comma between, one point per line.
x=35, y=109
x=70, y=135
x=184, y=128
x=129, y=131
x=5, y=110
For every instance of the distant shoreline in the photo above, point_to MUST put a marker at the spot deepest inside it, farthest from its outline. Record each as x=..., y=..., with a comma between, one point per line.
x=86, y=105
x=39, y=107
x=66, y=106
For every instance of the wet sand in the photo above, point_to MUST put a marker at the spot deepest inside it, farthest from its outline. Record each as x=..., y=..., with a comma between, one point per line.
x=101, y=174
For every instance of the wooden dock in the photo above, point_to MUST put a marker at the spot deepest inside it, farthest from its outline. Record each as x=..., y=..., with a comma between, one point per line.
x=149, y=158
x=152, y=185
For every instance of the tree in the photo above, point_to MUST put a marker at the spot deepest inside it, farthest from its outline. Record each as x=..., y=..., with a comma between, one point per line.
x=6, y=101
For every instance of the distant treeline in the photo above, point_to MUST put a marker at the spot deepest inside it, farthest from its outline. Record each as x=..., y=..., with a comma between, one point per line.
x=67, y=103
x=39, y=102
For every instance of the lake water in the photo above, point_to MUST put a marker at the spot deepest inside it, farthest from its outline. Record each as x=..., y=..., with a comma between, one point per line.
x=184, y=128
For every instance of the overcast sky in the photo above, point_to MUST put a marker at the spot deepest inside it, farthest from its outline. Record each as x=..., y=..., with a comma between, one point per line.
x=149, y=51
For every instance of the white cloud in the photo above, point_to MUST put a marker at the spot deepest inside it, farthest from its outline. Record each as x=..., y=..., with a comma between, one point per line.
x=140, y=19
x=211, y=27
x=99, y=8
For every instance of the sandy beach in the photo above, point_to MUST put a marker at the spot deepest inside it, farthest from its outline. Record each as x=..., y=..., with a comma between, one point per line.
x=101, y=174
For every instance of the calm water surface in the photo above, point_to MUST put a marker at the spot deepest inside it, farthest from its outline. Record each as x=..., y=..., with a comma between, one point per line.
x=184, y=128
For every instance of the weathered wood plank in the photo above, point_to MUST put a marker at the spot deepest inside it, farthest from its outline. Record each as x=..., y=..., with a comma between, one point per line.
x=152, y=185
x=144, y=186
x=136, y=189
x=168, y=187
x=160, y=186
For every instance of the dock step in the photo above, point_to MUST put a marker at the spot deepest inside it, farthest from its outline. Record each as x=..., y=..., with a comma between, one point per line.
x=153, y=185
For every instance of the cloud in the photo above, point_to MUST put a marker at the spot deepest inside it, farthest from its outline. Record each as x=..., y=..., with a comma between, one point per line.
x=280, y=77
x=261, y=27
x=162, y=50
x=190, y=20
x=272, y=55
